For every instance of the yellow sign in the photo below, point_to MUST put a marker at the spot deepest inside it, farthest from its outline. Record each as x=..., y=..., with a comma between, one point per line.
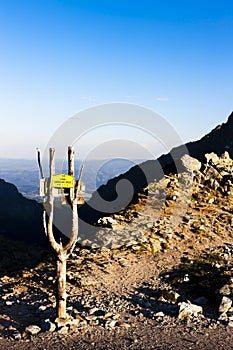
x=63, y=181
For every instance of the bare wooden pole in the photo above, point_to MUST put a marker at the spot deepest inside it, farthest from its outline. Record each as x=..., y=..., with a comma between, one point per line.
x=50, y=205
x=65, y=251
x=71, y=169
x=61, y=284
x=61, y=251
x=72, y=198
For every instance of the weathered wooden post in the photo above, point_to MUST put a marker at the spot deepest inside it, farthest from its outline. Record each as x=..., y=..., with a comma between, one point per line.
x=62, y=251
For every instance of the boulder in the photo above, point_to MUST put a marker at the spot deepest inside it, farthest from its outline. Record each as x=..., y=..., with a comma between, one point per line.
x=188, y=310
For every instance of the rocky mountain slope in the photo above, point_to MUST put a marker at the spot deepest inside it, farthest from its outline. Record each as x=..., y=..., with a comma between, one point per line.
x=218, y=140
x=154, y=274
x=158, y=275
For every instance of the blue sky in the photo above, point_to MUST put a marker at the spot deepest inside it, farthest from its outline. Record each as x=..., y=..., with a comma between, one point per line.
x=59, y=57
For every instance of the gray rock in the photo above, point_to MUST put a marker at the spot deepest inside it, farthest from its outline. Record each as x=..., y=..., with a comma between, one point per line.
x=187, y=310
x=184, y=279
x=190, y=163
x=211, y=200
x=225, y=290
x=230, y=324
x=13, y=333
x=223, y=317
x=107, y=221
x=225, y=304
x=42, y=308
x=16, y=335
x=63, y=330
x=212, y=158
x=93, y=310
x=159, y=314
x=150, y=225
x=32, y=329
x=110, y=324
x=60, y=322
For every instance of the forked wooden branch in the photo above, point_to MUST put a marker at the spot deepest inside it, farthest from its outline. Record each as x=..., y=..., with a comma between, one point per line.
x=62, y=251
x=57, y=247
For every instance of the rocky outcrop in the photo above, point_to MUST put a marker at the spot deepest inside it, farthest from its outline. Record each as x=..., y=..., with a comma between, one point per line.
x=161, y=208
x=124, y=188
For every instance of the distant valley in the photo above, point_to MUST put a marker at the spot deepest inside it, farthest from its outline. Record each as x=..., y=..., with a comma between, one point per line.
x=24, y=174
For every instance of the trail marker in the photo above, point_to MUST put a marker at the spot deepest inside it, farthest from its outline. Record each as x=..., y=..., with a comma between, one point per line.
x=63, y=181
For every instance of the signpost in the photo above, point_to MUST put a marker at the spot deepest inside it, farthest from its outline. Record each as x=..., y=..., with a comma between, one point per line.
x=49, y=188
x=63, y=181
x=60, y=182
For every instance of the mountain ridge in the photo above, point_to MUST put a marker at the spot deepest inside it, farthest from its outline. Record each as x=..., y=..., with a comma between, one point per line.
x=21, y=218
x=218, y=140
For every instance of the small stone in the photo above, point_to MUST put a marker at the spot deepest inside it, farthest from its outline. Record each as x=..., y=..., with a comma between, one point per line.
x=108, y=314
x=190, y=163
x=91, y=318
x=60, y=322
x=187, y=310
x=42, y=308
x=159, y=314
x=93, y=311
x=225, y=290
x=155, y=246
x=110, y=324
x=73, y=328
x=79, y=321
x=217, y=265
x=48, y=326
x=230, y=324
x=124, y=325
x=9, y=303
x=212, y=158
x=115, y=316
x=94, y=322
x=225, y=305
x=16, y=335
x=107, y=221
x=63, y=330
x=184, y=279
x=150, y=225
x=32, y=329
x=223, y=317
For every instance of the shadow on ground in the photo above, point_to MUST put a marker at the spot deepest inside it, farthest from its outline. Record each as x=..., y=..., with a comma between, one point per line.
x=196, y=280
x=199, y=280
